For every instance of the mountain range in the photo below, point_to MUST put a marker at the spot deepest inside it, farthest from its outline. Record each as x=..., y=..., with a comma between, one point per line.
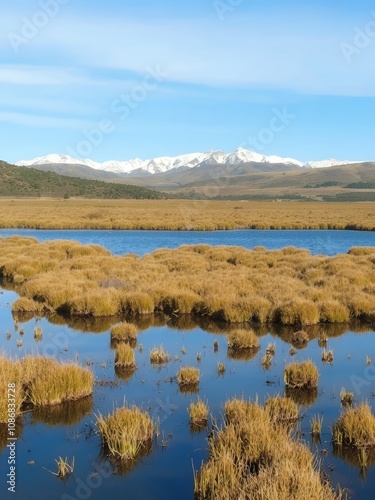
x=140, y=168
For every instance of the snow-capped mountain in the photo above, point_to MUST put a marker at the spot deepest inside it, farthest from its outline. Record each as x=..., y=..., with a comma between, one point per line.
x=166, y=163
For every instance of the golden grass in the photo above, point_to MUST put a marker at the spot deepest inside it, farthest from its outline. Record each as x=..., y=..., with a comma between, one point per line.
x=301, y=375
x=231, y=284
x=124, y=331
x=188, y=376
x=125, y=357
x=327, y=356
x=355, y=427
x=64, y=468
x=126, y=431
x=10, y=373
x=346, y=397
x=252, y=457
x=316, y=425
x=243, y=339
x=38, y=333
x=198, y=413
x=42, y=381
x=221, y=369
x=158, y=356
x=182, y=214
x=282, y=410
x=48, y=382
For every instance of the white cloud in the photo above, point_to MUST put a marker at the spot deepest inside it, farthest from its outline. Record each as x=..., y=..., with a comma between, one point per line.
x=251, y=53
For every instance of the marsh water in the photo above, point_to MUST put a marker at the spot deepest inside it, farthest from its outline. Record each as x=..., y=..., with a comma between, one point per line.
x=166, y=472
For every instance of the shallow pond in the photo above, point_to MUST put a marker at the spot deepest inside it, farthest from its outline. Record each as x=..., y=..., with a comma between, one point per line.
x=166, y=472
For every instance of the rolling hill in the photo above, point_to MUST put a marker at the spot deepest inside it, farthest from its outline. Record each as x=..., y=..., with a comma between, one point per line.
x=29, y=182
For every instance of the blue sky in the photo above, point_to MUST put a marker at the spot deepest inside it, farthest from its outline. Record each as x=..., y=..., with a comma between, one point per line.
x=119, y=79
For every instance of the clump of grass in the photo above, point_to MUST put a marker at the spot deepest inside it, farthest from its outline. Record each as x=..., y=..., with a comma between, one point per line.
x=183, y=350
x=199, y=356
x=48, y=382
x=300, y=338
x=19, y=343
x=198, y=413
x=22, y=331
x=64, y=468
x=292, y=351
x=126, y=431
x=158, y=356
x=38, y=334
x=368, y=360
x=316, y=425
x=356, y=426
x=125, y=357
x=188, y=376
x=124, y=332
x=327, y=356
x=251, y=457
x=216, y=346
x=346, y=397
x=301, y=375
x=221, y=368
x=282, y=410
x=243, y=339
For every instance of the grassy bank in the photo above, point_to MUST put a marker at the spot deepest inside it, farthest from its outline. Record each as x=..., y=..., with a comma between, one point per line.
x=183, y=214
x=232, y=284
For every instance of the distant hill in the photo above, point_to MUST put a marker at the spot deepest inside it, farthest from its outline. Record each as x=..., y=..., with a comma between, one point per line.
x=22, y=181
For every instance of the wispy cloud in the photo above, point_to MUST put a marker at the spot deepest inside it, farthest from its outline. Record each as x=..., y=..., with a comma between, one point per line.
x=33, y=120
x=303, y=58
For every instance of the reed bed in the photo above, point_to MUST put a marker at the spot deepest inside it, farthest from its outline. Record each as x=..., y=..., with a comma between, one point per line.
x=304, y=375
x=182, y=214
x=230, y=284
x=252, y=457
x=126, y=432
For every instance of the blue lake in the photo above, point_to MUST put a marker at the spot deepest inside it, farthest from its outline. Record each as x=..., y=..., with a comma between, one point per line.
x=328, y=242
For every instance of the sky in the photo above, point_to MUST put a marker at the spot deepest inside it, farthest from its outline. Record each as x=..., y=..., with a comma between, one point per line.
x=117, y=80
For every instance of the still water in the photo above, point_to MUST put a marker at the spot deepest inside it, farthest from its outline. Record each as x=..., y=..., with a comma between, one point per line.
x=166, y=473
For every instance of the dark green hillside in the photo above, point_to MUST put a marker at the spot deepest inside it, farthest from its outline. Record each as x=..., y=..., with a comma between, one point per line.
x=22, y=181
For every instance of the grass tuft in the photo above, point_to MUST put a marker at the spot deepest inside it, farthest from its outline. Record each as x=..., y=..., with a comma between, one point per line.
x=158, y=356
x=125, y=357
x=198, y=413
x=125, y=432
x=301, y=375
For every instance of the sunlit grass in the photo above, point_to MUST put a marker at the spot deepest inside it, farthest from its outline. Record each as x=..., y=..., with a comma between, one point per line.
x=301, y=375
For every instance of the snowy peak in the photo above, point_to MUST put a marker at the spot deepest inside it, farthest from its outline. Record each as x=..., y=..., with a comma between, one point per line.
x=166, y=163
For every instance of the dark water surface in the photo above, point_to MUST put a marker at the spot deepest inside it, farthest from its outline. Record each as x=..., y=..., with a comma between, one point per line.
x=166, y=473
x=327, y=242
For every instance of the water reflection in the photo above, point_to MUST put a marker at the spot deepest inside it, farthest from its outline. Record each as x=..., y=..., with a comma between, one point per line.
x=69, y=413
x=302, y=397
